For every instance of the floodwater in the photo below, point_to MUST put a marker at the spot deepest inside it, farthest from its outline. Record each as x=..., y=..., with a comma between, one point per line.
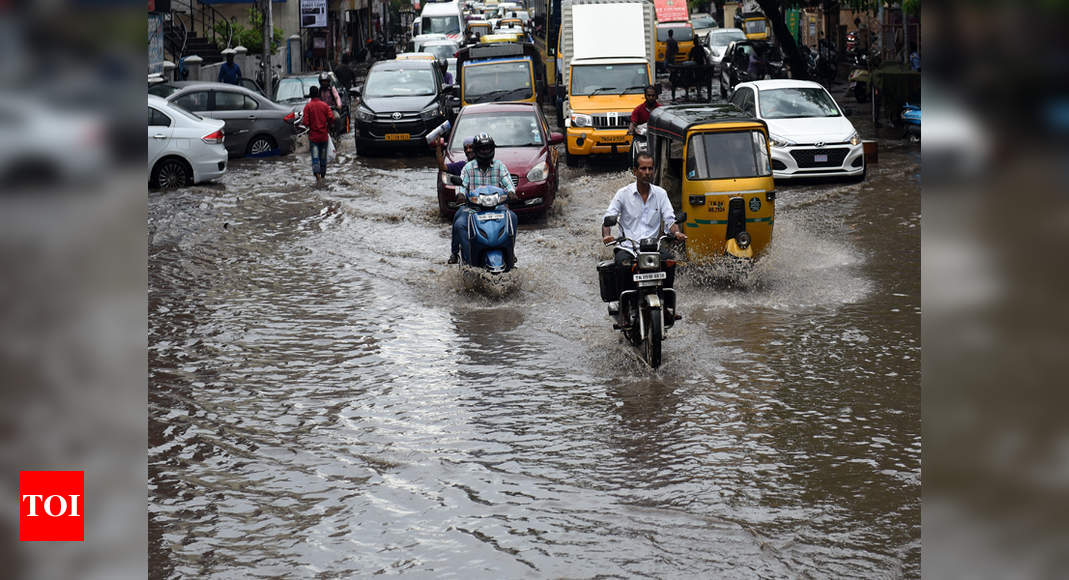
x=329, y=399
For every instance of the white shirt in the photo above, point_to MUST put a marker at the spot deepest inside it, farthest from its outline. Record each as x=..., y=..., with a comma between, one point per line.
x=642, y=220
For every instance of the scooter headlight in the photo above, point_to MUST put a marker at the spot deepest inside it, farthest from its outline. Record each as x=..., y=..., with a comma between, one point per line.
x=855, y=139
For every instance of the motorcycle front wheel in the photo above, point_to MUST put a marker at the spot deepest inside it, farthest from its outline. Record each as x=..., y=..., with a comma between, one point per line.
x=653, y=338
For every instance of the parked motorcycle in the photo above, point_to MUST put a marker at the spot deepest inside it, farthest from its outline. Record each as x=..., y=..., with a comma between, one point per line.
x=859, y=84
x=638, y=301
x=490, y=229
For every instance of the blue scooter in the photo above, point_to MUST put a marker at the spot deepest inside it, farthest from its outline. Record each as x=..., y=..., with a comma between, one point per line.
x=911, y=116
x=491, y=228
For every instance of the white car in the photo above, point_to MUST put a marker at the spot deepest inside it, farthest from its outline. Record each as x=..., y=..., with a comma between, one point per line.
x=702, y=23
x=809, y=133
x=717, y=41
x=420, y=40
x=183, y=147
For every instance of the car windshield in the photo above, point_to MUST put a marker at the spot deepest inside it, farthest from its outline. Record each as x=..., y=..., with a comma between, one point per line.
x=498, y=81
x=441, y=51
x=508, y=129
x=609, y=78
x=441, y=24
x=755, y=26
x=702, y=21
x=400, y=83
x=680, y=33
x=797, y=103
x=732, y=155
x=295, y=88
x=725, y=37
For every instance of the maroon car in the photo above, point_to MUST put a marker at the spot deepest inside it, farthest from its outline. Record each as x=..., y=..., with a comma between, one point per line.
x=524, y=144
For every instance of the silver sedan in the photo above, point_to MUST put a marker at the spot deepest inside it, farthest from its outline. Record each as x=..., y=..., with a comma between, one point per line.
x=255, y=125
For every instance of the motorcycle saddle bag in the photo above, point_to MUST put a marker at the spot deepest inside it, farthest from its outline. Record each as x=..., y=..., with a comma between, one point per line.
x=607, y=280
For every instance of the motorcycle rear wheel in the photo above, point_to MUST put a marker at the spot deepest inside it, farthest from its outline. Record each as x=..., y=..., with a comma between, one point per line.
x=653, y=339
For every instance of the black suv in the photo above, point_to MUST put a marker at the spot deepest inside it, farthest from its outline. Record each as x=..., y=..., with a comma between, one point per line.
x=749, y=60
x=401, y=101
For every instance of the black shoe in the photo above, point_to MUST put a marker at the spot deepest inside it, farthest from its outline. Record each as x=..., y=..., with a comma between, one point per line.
x=453, y=259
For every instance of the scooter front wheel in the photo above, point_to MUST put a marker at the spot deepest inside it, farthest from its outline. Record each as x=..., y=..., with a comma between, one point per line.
x=653, y=338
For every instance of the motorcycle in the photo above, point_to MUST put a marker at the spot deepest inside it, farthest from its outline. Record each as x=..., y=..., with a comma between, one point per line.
x=911, y=117
x=859, y=84
x=490, y=229
x=638, y=301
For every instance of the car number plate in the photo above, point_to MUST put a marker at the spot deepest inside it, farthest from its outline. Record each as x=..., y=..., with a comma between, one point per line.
x=822, y=158
x=397, y=136
x=650, y=276
x=613, y=139
x=490, y=216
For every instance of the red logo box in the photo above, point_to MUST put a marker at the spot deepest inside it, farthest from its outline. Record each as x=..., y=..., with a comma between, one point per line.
x=51, y=506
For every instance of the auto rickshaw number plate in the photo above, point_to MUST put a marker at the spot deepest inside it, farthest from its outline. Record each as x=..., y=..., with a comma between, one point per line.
x=650, y=276
x=397, y=136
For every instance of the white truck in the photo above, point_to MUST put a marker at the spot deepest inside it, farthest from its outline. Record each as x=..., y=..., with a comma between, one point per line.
x=605, y=59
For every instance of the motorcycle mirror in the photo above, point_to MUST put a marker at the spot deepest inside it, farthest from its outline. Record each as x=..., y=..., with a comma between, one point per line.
x=681, y=217
x=610, y=221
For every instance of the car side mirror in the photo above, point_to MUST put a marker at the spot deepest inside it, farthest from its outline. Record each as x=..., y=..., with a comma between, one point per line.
x=447, y=88
x=356, y=90
x=610, y=221
x=556, y=138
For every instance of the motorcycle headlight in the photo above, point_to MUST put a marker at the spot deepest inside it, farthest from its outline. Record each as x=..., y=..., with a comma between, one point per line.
x=364, y=114
x=854, y=138
x=641, y=130
x=429, y=113
x=649, y=261
x=581, y=120
x=778, y=141
x=539, y=172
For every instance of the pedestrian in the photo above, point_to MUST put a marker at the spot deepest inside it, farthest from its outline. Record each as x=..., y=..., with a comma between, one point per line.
x=671, y=50
x=317, y=117
x=641, y=113
x=229, y=71
x=643, y=211
x=483, y=170
x=455, y=167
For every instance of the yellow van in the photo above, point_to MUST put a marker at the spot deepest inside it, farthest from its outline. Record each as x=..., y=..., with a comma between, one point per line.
x=714, y=161
x=683, y=32
x=503, y=72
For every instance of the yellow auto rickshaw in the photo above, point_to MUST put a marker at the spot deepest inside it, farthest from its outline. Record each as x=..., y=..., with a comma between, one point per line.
x=492, y=38
x=715, y=163
x=755, y=25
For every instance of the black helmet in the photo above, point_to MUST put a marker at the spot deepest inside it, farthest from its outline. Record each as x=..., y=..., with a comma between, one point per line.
x=484, y=147
x=324, y=78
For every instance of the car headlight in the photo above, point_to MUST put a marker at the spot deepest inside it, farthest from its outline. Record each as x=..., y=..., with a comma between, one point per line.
x=364, y=114
x=539, y=172
x=854, y=138
x=429, y=113
x=778, y=141
x=581, y=120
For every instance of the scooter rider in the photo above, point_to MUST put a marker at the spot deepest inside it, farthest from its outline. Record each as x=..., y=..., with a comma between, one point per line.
x=481, y=171
x=641, y=207
x=330, y=96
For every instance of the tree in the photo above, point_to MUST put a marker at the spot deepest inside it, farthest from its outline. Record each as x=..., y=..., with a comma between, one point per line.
x=774, y=13
x=251, y=37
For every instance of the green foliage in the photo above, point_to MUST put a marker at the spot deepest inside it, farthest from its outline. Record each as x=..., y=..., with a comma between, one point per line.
x=251, y=37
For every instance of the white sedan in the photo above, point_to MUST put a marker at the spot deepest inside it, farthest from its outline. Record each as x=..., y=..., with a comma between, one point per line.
x=183, y=147
x=809, y=132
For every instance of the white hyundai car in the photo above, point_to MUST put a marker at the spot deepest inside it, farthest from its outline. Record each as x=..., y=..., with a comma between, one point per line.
x=809, y=133
x=183, y=147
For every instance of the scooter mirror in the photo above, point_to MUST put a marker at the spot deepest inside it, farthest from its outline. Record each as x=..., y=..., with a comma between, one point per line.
x=610, y=221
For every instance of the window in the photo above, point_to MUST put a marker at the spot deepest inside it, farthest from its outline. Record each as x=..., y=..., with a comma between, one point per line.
x=228, y=101
x=441, y=24
x=507, y=129
x=157, y=119
x=609, y=79
x=738, y=98
x=400, y=83
x=196, y=101
x=732, y=155
x=797, y=103
x=680, y=33
x=499, y=81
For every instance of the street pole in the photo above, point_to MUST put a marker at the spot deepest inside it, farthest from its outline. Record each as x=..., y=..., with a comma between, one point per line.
x=268, y=29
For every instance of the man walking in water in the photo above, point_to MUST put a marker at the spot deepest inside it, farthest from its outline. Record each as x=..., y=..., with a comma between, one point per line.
x=317, y=117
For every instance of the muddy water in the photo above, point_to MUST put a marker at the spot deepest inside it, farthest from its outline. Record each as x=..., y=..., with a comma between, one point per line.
x=327, y=397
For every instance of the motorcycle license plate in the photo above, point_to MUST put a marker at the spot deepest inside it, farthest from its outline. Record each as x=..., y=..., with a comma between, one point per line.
x=823, y=158
x=397, y=136
x=613, y=139
x=490, y=216
x=650, y=276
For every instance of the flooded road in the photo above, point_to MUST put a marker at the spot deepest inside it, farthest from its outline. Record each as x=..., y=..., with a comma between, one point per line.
x=326, y=399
